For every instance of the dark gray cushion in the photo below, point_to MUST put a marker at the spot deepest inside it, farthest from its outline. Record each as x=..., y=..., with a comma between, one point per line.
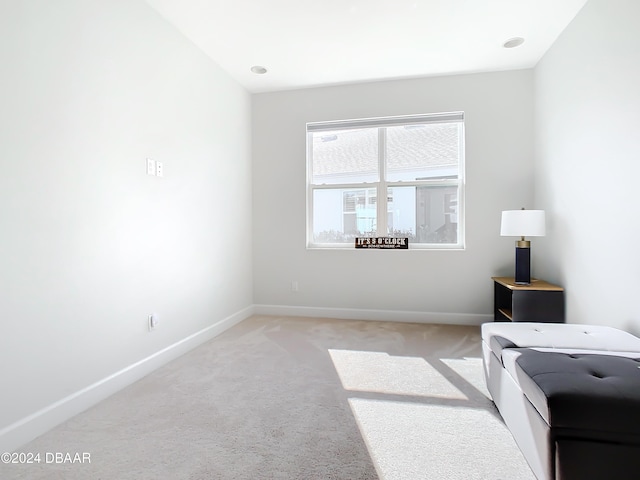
x=498, y=343
x=583, y=391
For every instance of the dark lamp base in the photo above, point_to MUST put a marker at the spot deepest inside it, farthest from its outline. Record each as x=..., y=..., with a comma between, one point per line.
x=523, y=266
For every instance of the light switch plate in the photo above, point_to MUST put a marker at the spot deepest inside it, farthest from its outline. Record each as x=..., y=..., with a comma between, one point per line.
x=151, y=166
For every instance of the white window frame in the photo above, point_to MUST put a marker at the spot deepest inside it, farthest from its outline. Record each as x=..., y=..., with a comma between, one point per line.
x=383, y=184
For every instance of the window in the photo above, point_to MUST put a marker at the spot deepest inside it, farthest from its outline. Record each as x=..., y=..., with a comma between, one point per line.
x=396, y=176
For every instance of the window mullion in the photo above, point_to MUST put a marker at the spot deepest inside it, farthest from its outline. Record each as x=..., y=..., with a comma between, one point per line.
x=382, y=183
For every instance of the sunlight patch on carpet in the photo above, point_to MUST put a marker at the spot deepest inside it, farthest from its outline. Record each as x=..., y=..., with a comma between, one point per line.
x=382, y=373
x=412, y=440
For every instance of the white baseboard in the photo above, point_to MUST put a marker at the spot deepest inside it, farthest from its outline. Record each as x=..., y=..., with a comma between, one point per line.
x=377, y=315
x=34, y=425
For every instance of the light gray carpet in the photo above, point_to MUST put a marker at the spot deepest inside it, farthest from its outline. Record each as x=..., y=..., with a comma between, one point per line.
x=297, y=398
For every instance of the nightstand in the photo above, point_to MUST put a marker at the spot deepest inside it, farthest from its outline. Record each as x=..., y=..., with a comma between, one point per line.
x=538, y=301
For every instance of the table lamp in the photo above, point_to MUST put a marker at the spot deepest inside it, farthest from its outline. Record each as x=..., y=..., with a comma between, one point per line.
x=523, y=223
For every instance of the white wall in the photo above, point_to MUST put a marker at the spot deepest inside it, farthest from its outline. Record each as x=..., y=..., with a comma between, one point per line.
x=587, y=104
x=499, y=170
x=90, y=245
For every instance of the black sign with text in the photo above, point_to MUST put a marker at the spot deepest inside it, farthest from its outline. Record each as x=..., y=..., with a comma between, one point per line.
x=386, y=243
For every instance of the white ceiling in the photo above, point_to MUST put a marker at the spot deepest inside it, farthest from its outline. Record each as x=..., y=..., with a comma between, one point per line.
x=306, y=43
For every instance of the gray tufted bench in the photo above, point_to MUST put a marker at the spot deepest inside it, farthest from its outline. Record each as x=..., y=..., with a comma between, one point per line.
x=570, y=395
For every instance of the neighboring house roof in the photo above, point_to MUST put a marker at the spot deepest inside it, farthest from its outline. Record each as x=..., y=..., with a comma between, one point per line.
x=408, y=148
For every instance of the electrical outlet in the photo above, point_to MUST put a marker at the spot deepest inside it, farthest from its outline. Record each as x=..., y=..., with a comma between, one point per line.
x=152, y=321
x=151, y=166
x=159, y=169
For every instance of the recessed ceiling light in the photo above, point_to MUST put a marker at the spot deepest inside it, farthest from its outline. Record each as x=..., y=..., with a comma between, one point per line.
x=513, y=42
x=258, y=70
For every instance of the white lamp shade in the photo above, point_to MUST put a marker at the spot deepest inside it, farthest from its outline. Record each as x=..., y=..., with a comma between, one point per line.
x=523, y=223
